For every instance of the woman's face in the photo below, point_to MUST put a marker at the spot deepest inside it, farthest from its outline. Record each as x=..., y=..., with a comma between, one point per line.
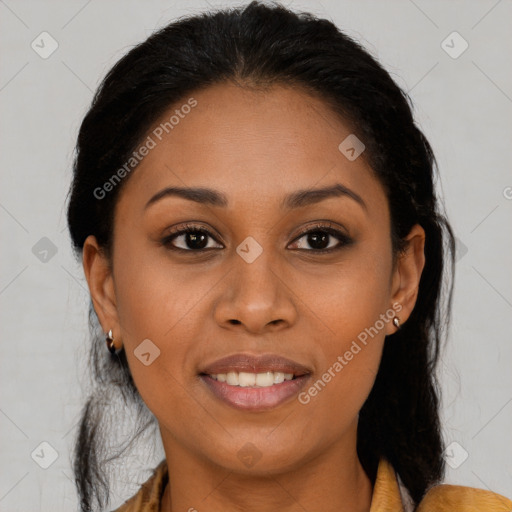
x=247, y=282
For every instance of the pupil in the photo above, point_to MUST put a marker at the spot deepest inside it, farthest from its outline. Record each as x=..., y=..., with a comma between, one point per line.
x=194, y=239
x=313, y=239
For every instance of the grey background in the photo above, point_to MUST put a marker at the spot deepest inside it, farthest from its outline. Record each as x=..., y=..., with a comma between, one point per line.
x=463, y=105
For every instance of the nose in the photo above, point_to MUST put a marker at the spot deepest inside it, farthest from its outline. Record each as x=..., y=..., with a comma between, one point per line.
x=256, y=297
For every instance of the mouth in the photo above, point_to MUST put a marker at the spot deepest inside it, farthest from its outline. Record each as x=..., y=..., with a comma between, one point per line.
x=254, y=383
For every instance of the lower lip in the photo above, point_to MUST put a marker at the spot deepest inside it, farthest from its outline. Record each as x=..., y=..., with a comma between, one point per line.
x=255, y=399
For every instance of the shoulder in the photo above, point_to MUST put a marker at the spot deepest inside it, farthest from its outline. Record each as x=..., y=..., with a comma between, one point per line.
x=448, y=498
x=149, y=496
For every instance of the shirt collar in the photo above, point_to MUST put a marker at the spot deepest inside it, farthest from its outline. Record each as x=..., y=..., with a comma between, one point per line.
x=387, y=492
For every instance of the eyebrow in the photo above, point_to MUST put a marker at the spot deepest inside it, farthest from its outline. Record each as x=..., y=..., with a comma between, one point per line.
x=297, y=199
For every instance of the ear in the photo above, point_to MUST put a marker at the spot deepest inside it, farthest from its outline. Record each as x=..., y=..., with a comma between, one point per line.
x=99, y=277
x=407, y=274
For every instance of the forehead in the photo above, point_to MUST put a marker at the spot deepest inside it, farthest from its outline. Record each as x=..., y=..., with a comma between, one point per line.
x=254, y=145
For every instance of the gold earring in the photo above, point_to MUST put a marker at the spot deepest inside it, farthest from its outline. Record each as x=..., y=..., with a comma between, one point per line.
x=396, y=322
x=110, y=342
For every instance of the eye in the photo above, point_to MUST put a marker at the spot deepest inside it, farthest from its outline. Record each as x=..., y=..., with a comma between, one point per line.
x=320, y=236
x=195, y=239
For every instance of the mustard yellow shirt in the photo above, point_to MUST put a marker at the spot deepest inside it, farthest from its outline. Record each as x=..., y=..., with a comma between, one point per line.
x=388, y=495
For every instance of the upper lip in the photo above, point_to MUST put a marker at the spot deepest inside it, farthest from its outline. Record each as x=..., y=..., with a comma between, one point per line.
x=255, y=364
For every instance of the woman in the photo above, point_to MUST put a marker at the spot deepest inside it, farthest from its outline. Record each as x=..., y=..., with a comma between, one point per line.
x=255, y=212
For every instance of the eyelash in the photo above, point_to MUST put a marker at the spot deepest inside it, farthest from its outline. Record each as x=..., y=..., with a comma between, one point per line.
x=322, y=228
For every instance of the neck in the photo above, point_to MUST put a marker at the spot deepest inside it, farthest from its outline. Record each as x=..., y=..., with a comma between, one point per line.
x=333, y=481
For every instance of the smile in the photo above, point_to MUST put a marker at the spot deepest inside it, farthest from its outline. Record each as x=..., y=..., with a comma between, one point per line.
x=254, y=382
x=254, y=392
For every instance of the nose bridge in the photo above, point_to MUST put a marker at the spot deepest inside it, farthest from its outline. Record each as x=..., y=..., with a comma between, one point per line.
x=255, y=270
x=255, y=295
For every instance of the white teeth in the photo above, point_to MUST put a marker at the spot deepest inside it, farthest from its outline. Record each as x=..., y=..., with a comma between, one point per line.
x=232, y=378
x=247, y=379
x=278, y=377
x=264, y=380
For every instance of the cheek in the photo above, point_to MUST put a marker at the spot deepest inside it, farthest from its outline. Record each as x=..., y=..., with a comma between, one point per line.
x=354, y=306
x=167, y=304
x=335, y=397
x=155, y=296
x=349, y=296
x=154, y=323
x=350, y=358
